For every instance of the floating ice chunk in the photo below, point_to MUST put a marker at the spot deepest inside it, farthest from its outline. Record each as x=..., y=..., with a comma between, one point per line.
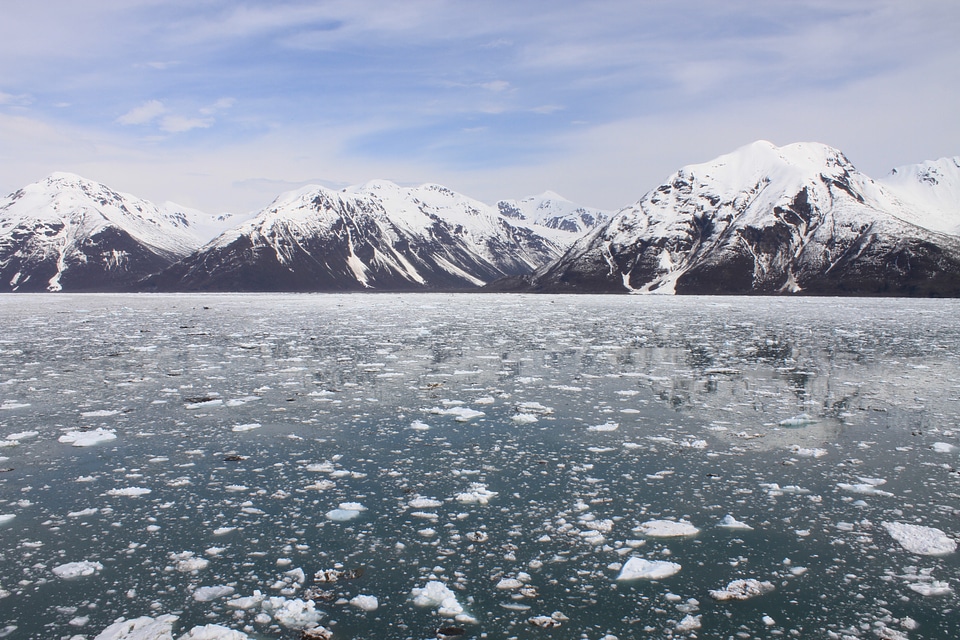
x=240, y=428
x=507, y=584
x=222, y=531
x=7, y=517
x=130, y=492
x=187, y=562
x=88, y=438
x=247, y=602
x=214, y=632
x=866, y=486
x=10, y=404
x=798, y=421
x=424, y=503
x=689, y=623
x=524, y=418
x=925, y=541
x=206, y=594
x=534, y=407
x=742, y=590
x=83, y=512
x=437, y=595
x=346, y=511
x=77, y=569
x=365, y=603
x=641, y=569
x=476, y=494
x=607, y=426
x=142, y=628
x=460, y=414
x=809, y=453
x=102, y=413
x=293, y=614
x=417, y=425
x=935, y=588
x=939, y=447
x=729, y=522
x=23, y=435
x=667, y=529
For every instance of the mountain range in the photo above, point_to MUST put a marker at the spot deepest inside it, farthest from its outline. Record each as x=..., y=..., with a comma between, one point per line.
x=763, y=219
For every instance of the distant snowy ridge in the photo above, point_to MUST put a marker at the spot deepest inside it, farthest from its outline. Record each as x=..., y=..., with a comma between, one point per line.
x=552, y=211
x=930, y=191
x=376, y=236
x=767, y=219
x=66, y=232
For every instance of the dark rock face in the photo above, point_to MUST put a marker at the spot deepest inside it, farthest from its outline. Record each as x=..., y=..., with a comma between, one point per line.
x=764, y=220
x=108, y=260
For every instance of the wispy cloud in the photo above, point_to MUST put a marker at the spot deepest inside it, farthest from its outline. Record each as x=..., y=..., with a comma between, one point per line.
x=145, y=113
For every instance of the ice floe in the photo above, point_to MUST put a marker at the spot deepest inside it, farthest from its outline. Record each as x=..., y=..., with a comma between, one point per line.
x=476, y=494
x=436, y=595
x=666, y=529
x=729, y=522
x=642, y=569
x=88, y=438
x=77, y=569
x=925, y=541
x=742, y=590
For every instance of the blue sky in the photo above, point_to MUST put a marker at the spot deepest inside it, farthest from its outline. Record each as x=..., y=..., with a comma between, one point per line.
x=223, y=105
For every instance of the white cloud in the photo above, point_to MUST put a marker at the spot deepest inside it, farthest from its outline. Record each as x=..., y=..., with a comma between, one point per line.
x=181, y=124
x=144, y=114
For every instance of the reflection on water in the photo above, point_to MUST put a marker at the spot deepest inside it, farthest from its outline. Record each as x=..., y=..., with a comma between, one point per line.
x=393, y=465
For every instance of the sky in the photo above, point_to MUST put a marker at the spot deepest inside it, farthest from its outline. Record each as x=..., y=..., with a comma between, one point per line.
x=222, y=105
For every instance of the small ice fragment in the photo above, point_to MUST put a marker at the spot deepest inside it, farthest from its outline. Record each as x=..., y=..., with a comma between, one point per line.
x=293, y=614
x=130, y=492
x=524, y=418
x=346, y=511
x=798, y=421
x=742, y=590
x=729, y=522
x=240, y=428
x=83, y=512
x=689, y=623
x=222, y=531
x=424, y=503
x=7, y=517
x=925, y=541
x=640, y=569
x=417, y=425
x=77, y=569
x=365, y=603
x=939, y=447
x=102, y=413
x=667, y=529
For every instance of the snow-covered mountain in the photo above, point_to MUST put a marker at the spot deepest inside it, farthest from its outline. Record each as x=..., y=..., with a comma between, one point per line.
x=767, y=219
x=931, y=191
x=72, y=234
x=377, y=236
x=566, y=220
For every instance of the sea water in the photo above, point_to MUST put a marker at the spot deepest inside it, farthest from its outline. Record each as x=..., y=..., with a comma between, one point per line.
x=478, y=466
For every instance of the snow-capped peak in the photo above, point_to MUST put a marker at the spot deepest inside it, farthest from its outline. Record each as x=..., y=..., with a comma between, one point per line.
x=933, y=189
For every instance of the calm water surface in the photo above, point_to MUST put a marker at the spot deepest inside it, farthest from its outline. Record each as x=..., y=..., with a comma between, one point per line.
x=505, y=453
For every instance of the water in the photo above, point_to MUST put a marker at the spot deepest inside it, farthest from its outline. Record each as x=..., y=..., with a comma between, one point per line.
x=508, y=448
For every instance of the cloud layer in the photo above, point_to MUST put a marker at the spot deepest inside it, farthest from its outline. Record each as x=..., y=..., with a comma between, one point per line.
x=213, y=103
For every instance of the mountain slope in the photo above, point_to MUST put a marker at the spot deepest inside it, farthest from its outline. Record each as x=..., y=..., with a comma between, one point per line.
x=565, y=220
x=376, y=236
x=68, y=233
x=930, y=191
x=764, y=219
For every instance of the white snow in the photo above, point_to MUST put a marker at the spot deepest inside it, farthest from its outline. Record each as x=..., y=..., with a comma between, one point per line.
x=925, y=541
x=641, y=569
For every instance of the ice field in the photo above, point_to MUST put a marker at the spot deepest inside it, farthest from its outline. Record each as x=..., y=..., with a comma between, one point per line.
x=478, y=466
